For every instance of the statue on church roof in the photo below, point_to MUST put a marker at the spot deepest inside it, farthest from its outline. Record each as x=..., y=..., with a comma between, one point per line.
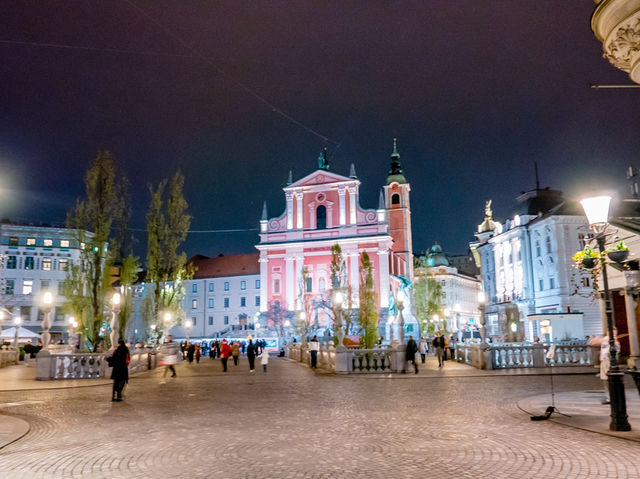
x=323, y=163
x=488, y=224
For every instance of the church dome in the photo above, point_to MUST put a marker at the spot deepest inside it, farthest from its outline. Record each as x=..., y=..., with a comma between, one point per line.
x=436, y=257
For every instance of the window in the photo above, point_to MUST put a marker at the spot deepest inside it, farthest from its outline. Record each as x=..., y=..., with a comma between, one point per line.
x=257, y=300
x=226, y=302
x=193, y=320
x=309, y=284
x=9, y=286
x=194, y=304
x=211, y=287
x=25, y=312
x=64, y=243
x=585, y=282
x=46, y=264
x=48, y=243
x=243, y=302
x=276, y=286
x=243, y=285
x=395, y=199
x=211, y=303
x=210, y=320
x=226, y=285
x=321, y=217
x=27, y=286
x=548, y=244
x=226, y=320
x=12, y=262
x=541, y=284
x=63, y=263
x=28, y=262
x=538, y=250
x=60, y=288
x=322, y=285
x=257, y=284
x=40, y=314
x=44, y=285
x=194, y=288
x=13, y=241
x=552, y=283
x=31, y=241
x=59, y=315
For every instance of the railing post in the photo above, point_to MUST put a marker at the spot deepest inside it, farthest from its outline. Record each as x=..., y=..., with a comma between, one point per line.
x=343, y=358
x=538, y=355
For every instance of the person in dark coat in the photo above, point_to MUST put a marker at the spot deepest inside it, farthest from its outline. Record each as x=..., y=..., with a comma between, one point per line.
x=438, y=344
x=251, y=355
x=191, y=351
x=119, y=361
x=412, y=349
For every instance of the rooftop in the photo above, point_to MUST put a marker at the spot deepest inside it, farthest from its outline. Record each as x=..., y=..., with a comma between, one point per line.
x=220, y=266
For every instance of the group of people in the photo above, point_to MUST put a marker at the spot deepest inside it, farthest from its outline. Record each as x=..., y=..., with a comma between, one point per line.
x=253, y=351
x=191, y=351
x=440, y=346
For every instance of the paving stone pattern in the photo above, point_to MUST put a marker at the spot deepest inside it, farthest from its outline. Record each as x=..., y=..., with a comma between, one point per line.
x=293, y=423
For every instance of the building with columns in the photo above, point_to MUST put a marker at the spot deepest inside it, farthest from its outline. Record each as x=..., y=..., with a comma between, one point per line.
x=322, y=210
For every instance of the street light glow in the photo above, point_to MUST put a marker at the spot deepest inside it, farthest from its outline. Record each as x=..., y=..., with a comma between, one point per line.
x=338, y=298
x=597, y=209
x=188, y=324
x=167, y=317
x=47, y=299
x=71, y=320
x=481, y=297
x=287, y=323
x=456, y=307
x=115, y=299
x=17, y=320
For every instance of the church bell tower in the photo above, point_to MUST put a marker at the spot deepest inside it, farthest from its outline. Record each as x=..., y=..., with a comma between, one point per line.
x=396, y=197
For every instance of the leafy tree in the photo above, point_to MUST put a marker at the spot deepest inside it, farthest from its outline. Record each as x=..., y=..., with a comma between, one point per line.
x=368, y=313
x=128, y=276
x=303, y=325
x=338, y=269
x=427, y=294
x=91, y=221
x=167, y=268
x=276, y=317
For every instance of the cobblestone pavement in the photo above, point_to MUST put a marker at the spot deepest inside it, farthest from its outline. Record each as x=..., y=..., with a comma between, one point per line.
x=292, y=423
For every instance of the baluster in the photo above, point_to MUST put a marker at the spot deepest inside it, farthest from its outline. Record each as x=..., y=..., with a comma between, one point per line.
x=69, y=367
x=517, y=357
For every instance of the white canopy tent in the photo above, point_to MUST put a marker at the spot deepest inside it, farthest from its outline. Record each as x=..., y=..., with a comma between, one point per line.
x=23, y=334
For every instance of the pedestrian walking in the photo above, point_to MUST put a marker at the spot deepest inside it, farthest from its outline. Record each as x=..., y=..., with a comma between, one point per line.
x=169, y=352
x=212, y=351
x=412, y=349
x=191, y=351
x=225, y=351
x=605, y=360
x=198, y=353
x=423, y=349
x=438, y=344
x=314, y=347
x=264, y=359
x=235, y=352
x=119, y=361
x=251, y=355
x=452, y=347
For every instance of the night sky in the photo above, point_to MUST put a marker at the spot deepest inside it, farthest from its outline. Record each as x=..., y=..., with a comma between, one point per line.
x=475, y=91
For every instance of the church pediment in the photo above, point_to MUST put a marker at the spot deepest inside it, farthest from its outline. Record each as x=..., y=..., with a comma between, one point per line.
x=319, y=177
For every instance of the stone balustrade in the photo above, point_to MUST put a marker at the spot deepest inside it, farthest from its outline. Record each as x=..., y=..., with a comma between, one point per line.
x=9, y=356
x=343, y=360
x=70, y=365
x=527, y=355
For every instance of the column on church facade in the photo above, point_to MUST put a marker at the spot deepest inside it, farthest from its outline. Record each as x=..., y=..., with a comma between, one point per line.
x=383, y=268
x=343, y=212
x=264, y=281
x=289, y=197
x=299, y=267
x=299, y=211
x=353, y=201
x=289, y=280
x=354, y=277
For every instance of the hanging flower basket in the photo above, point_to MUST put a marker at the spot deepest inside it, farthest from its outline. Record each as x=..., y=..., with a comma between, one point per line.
x=589, y=262
x=586, y=258
x=618, y=256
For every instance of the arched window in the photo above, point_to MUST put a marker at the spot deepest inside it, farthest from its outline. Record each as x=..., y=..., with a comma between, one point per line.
x=395, y=199
x=321, y=217
x=548, y=245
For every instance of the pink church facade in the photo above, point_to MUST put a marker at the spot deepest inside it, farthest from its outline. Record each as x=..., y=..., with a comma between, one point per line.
x=322, y=210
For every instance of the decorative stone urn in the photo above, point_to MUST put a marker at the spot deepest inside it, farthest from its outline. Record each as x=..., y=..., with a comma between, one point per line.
x=616, y=23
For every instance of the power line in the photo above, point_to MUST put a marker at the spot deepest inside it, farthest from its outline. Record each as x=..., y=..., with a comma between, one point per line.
x=246, y=88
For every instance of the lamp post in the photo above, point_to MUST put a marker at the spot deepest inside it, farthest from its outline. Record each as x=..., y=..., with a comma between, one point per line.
x=257, y=328
x=71, y=329
x=187, y=325
x=115, y=324
x=16, y=323
x=456, y=310
x=154, y=337
x=166, y=319
x=47, y=301
x=597, y=212
x=482, y=299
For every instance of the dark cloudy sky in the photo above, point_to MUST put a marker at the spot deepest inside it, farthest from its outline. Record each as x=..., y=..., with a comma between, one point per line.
x=476, y=91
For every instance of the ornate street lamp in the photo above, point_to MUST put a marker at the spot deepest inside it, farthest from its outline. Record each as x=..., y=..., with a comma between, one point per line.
x=187, y=325
x=166, y=319
x=47, y=302
x=597, y=212
x=16, y=322
x=116, y=300
x=482, y=299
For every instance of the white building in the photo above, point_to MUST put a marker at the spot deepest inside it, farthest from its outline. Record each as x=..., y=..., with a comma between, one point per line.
x=223, y=296
x=460, y=308
x=35, y=260
x=527, y=268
